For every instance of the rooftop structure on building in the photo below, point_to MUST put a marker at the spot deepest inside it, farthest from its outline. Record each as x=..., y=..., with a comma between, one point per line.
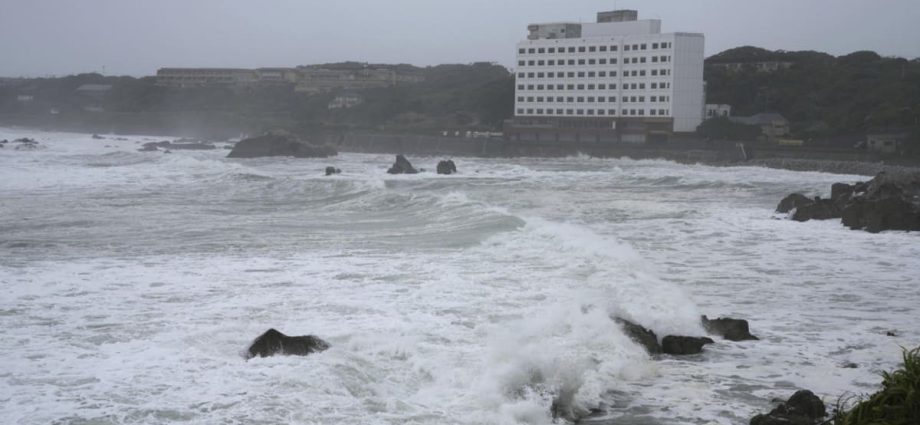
x=619, y=79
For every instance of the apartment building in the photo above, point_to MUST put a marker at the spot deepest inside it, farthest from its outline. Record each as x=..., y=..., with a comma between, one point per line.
x=617, y=80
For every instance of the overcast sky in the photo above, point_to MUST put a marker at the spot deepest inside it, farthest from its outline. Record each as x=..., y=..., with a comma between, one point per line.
x=135, y=37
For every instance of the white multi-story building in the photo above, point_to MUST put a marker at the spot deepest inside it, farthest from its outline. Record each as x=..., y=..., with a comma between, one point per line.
x=618, y=80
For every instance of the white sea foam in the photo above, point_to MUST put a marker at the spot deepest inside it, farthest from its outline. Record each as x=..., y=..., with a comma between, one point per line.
x=132, y=281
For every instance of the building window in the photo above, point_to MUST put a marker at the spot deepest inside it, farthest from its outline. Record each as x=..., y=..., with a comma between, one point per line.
x=654, y=86
x=602, y=73
x=530, y=63
x=570, y=87
x=592, y=49
x=530, y=87
x=591, y=74
x=529, y=111
x=581, y=74
x=570, y=99
x=551, y=62
x=560, y=99
x=581, y=49
x=549, y=99
x=559, y=112
x=581, y=87
x=626, y=47
x=539, y=112
x=642, y=112
x=549, y=112
x=632, y=112
x=642, y=59
x=522, y=63
x=530, y=99
x=541, y=63
x=541, y=50
x=540, y=75
x=602, y=87
x=590, y=99
x=580, y=112
x=581, y=61
x=520, y=111
x=520, y=98
x=571, y=50
x=551, y=50
x=603, y=48
x=613, y=61
x=520, y=75
x=600, y=112
x=654, y=59
x=522, y=51
x=654, y=72
x=590, y=112
x=651, y=112
x=625, y=112
x=581, y=99
x=550, y=75
x=612, y=99
x=601, y=99
x=654, y=46
x=559, y=87
x=602, y=61
x=632, y=99
x=520, y=87
x=613, y=48
x=654, y=98
x=531, y=51
x=571, y=74
x=613, y=73
x=540, y=99
x=571, y=61
x=641, y=86
x=612, y=112
x=641, y=98
x=613, y=87
x=590, y=86
x=591, y=61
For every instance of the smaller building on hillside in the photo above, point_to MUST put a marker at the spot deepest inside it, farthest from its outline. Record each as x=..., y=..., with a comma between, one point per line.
x=772, y=125
x=714, y=110
x=346, y=100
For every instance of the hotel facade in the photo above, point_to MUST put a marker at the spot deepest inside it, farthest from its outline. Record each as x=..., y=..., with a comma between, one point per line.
x=619, y=80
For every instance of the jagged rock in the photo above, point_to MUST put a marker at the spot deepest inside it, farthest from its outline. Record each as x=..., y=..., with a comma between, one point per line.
x=642, y=336
x=793, y=201
x=684, y=345
x=819, y=209
x=840, y=190
x=98, y=137
x=27, y=144
x=888, y=202
x=273, y=342
x=332, y=170
x=279, y=144
x=402, y=166
x=803, y=408
x=728, y=328
x=447, y=167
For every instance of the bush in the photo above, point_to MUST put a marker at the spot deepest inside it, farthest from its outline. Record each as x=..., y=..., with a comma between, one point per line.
x=897, y=403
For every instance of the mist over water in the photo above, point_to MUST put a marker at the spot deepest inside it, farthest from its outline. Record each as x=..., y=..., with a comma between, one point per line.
x=133, y=281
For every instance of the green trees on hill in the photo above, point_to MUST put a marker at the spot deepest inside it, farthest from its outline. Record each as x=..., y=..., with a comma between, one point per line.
x=821, y=95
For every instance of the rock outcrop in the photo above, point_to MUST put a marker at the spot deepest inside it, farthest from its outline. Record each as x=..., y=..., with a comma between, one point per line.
x=402, y=166
x=27, y=144
x=728, y=328
x=888, y=202
x=803, y=408
x=447, y=167
x=332, y=170
x=684, y=345
x=640, y=335
x=273, y=342
x=279, y=144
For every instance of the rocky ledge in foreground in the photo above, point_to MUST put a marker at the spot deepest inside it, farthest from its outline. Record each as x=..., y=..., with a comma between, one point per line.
x=279, y=144
x=273, y=342
x=890, y=201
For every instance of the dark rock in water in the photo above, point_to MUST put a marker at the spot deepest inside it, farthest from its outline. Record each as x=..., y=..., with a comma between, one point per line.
x=332, y=170
x=820, y=209
x=447, y=167
x=728, y=328
x=888, y=202
x=684, y=345
x=793, y=201
x=27, y=144
x=642, y=336
x=891, y=333
x=279, y=144
x=402, y=166
x=273, y=342
x=98, y=137
x=803, y=408
x=840, y=190
x=147, y=147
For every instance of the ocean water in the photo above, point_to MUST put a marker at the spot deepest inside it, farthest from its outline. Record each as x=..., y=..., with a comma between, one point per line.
x=132, y=282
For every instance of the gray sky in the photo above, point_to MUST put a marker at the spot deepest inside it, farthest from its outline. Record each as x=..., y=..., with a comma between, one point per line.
x=135, y=37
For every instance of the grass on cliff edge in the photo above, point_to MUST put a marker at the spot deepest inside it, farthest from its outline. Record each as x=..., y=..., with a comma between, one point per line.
x=897, y=403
